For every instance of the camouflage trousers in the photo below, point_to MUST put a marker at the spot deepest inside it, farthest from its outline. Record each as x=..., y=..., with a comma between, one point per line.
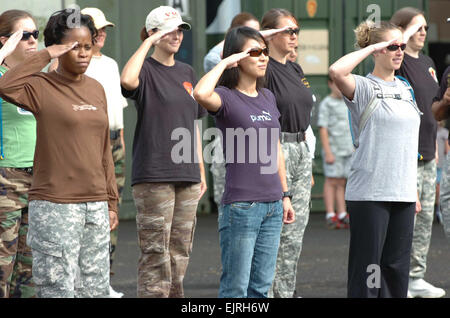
x=70, y=246
x=218, y=171
x=118, y=154
x=423, y=222
x=166, y=218
x=15, y=255
x=445, y=196
x=298, y=173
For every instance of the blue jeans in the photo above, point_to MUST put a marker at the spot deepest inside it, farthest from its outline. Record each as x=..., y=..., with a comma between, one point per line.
x=249, y=238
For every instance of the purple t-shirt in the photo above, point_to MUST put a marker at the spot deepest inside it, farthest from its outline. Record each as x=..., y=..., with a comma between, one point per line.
x=250, y=127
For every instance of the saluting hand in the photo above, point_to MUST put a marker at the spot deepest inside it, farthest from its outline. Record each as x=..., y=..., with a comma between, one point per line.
x=411, y=30
x=379, y=47
x=232, y=60
x=57, y=50
x=159, y=35
x=268, y=34
x=11, y=44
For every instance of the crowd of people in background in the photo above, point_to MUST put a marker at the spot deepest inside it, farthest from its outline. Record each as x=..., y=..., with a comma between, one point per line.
x=62, y=155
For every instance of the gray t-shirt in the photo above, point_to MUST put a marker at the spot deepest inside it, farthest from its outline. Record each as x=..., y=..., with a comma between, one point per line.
x=384, y=165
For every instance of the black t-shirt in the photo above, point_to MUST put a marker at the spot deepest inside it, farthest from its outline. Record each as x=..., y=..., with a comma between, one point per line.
x=421, y=74
x=292, y=93
x=164, y=102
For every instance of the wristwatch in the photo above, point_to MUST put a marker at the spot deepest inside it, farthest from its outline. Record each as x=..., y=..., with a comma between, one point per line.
x=287, y=194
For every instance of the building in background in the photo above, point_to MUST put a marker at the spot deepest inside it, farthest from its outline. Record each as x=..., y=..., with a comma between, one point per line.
x=326, y=34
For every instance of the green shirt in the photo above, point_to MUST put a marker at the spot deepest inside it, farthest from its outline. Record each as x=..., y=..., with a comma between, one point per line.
x=19, y=135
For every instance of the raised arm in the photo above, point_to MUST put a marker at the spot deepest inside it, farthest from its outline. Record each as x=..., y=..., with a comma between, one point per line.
x=204, y=90
x=10, y=45
x=130, y=73
x=340, y=71
x=20, y=87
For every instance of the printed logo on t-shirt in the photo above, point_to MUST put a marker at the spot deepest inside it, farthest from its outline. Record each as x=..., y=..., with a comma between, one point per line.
x=305, y=82
x=188, y=87
x=433, y=74
x=83, y=107
x=22, y=111
x=264, y=117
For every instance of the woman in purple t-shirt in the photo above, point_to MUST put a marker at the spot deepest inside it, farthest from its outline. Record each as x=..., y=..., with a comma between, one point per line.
x=256, y=199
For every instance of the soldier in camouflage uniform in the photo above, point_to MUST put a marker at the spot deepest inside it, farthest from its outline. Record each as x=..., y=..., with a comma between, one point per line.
x=420, y=71
x=73, y=166
x=294, y=100
x=16, y=162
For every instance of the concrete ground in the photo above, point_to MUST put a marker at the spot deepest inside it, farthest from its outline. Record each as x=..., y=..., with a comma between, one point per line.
x=322, y=270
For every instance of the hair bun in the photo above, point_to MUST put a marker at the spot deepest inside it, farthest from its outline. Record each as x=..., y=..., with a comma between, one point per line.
x=362, y=33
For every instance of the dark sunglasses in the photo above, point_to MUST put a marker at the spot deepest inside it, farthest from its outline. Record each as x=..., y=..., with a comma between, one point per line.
x=291, y=31
x=424, y=27
x=258, y=52
x=395, y=47
x=26, y=35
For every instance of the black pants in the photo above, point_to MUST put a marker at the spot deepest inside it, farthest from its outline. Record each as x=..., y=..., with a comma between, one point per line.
x=380, y=245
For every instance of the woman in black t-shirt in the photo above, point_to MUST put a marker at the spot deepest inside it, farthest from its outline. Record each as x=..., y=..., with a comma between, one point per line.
x=166, y=185
x=295, y=101
x=420, y=71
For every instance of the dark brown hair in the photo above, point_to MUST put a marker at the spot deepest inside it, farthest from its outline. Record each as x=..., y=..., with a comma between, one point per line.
x=403, y=17
x=272, y=17
x=144, y=34
x=9, y=18
x=241, y=18
x=235, y=40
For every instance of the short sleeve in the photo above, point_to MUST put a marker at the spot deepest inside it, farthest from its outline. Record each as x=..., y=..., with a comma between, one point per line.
x=364, y=92
x=137, y=93
x=223, y=93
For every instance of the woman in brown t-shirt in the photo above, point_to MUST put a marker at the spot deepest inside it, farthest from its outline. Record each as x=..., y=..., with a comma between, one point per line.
x=73, y=184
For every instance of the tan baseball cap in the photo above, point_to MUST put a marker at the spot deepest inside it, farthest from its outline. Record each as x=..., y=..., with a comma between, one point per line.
x=165, y=18
x=98, y=17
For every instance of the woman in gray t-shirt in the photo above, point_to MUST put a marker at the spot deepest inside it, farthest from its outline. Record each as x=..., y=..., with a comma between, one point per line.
x=381, y=191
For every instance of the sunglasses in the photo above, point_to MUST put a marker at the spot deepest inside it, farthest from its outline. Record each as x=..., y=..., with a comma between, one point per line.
x=291, y=31
x=258, y=52
x=395, y=47
x=423, y=28
x=26, y=35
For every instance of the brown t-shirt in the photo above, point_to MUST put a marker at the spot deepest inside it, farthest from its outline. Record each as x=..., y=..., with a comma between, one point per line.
x=72, y=161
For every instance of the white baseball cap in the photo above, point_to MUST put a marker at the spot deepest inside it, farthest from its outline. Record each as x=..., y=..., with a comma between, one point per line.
x=165, y=18
x=98, y=17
